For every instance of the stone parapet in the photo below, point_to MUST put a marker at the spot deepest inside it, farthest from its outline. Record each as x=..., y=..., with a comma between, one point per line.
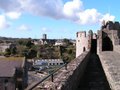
x=117, y=48
x=69, y=79
x=111, y=64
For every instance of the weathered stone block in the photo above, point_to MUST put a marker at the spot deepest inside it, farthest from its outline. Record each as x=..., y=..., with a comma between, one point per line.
x=116, y=26
x=110, y=25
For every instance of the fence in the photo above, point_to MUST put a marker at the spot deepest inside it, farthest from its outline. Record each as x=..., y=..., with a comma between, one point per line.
x=33, y=85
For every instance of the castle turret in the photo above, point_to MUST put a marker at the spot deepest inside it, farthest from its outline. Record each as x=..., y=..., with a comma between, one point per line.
x=90, y=36
x=81, y=43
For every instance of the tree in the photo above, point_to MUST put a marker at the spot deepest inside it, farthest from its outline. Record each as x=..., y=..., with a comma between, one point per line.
x=29, y=44
x=13, y=50
x=7, y=52
x=21, y=50
x=22, y=41
x=32, y=53
x=67, y=42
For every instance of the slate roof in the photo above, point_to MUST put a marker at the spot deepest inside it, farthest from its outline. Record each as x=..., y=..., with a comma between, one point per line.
x=8, y=65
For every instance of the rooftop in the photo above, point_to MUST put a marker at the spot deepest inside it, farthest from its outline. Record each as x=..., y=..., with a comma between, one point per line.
x=8, y=65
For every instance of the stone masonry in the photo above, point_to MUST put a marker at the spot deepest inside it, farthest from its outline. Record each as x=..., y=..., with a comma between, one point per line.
x=83, y=41
x=108, y=36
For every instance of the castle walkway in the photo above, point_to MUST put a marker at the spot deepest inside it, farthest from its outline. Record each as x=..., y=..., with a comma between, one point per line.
x=94, y=77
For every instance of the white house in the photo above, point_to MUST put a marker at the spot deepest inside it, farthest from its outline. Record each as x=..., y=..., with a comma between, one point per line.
x=59, y=43
x=48, y=62
x=4, y=46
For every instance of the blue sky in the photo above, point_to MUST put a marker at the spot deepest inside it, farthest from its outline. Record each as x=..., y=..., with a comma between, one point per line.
x=56, y=18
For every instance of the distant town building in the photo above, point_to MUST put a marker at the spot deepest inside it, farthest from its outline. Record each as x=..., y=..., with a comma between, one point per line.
x=44, y=40
x=59, y=42
x=47, y=62
x=73, y=42
x=47, y=41
x=4, y=46
x=13, y=73
x=36, y=42
x=44, y=36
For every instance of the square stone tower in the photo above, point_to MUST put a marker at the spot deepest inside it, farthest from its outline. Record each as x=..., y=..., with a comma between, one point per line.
x=81, y=42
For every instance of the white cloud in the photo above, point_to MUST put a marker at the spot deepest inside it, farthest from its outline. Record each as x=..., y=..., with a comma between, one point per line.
x=10, y=6
x=3, y=22
x=23, y=27
x=45, y=29
x=107, y=17
x=72, y=10
x=88, y=16
x=50, y=8
x=13, y=15
x=75, y=11
x=72, y=7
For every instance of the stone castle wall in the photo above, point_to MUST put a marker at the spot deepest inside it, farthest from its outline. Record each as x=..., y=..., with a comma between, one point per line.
x=74, y=73
x=110, y=30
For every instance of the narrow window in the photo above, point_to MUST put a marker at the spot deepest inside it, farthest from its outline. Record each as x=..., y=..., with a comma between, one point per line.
x=84, y=49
